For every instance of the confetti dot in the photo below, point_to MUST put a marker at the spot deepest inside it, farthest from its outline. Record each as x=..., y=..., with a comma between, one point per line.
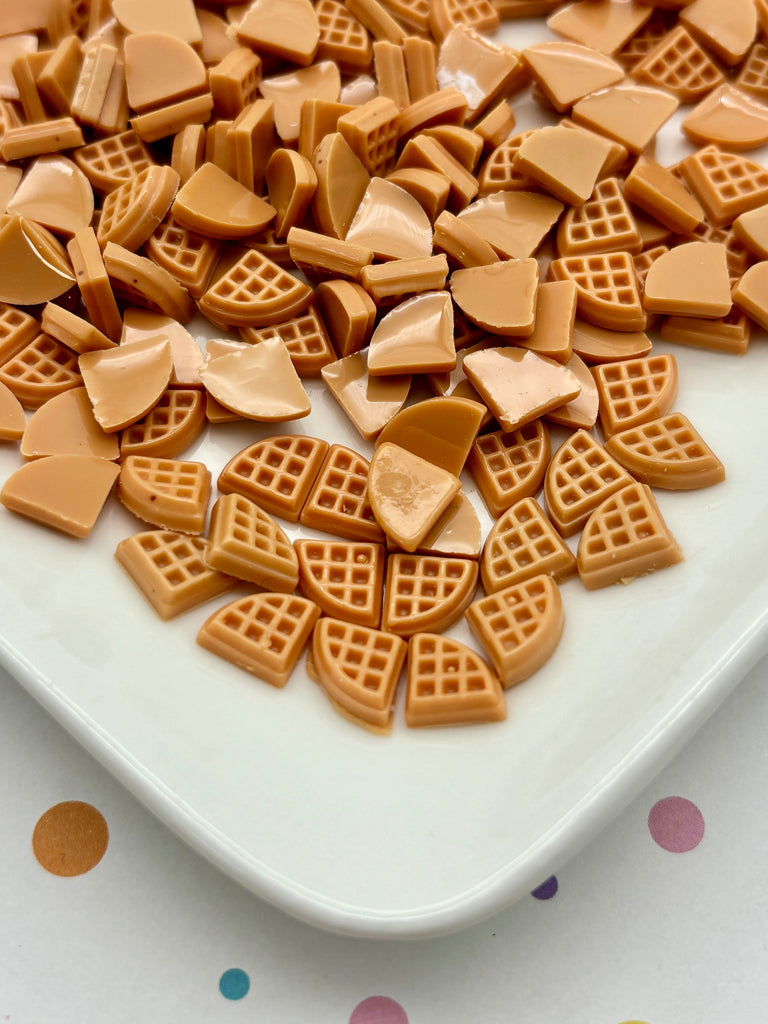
x=676, y=824
x=70, y=838
x=546, y=890
x=378, y=1010
x=234, y=983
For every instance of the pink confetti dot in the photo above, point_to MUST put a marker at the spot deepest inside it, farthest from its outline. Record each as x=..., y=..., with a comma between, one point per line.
x=676, y=824
x=378, y=1010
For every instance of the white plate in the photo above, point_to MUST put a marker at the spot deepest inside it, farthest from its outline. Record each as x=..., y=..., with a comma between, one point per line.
x=424, y=831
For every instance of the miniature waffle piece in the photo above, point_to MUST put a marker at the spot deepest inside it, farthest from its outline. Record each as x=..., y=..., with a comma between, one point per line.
x=254, y=292
x=509, y=466
x=633, y=391
x=499, y=170
x=342, y=37
x=359, y=668
x=753, y=75
x=42, y=369
x=426, y=593
x=371, y=132
x=338, y=502
x=245, y=541
x=607, y=292
x=603, y=224
x=345, y=578
x=519, y=627
x=667, y=453
x=110, y=162
x=169, y=428
x=579, y=476
x=17, y=328
x=277, y=473
x=625, y=537
x=168, y=493
x=305, y=338
x=522, y=544
x=264, y=634
x=170, y=570
x=679, y=65
x=445, y=15
x=186, y=255
x=450, y=684
x=726, y=184
x=131, y=212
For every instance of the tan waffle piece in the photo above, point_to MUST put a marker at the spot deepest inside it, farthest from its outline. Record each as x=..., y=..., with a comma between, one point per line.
x=633, y=391
x=171, y=426
x=607, y=292
x=726, y=184
x=426, y=593
x=254, y=292
x=580, y=475
x=305, y=338
x=678, y=64
x=450, y=684
x=110, y=162
x=359, y=668
x=168, y=493
x=186, y=255
x=169, y=569
x=603, y=224
x=499, y=171
x=345, y=578
x=625, y=537
x=17, y=329
x=445, y=15
x=131, y=212
x=508, y=466
x=343, y=38
x=519, y=627
x=338, y=502
x=264, y=634
x=667, y=452
x=42, y=369
x=371, y=131
x=522, y=544
x=245, y=541
x=753, y=74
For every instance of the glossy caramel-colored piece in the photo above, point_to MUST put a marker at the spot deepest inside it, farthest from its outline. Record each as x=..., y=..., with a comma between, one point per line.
x=369, y=402
x=253, y=291
x=604, y=223
x=726, y=184
x=390, y=223
x=19, y=142
x=390, y=73
x=461, y=243
x=563, y=162
x=65, y=425
x=186, y=355
x=189, y=257
x=443, y=108
x=13, y=422
x=288, y=93
x=213, y=203
x=338, y=502
x=499, y=297
x=257, y=382
x=668, y=453
x=456, y=534
x=690, y=279
x=54, y=192
x=607, y=290
x=509, y=465
x=427, y=152
x=291, y=183
x=481, y=69
x=160, y=68
x=415, y=337
x=728, y=117
x=281, y=28
x=246, y=542
x=234, y=81
x=321, y=257
x=450, y=684
x=514, y=222
x=603, y=27
x=35, y=266
x=627, y=113
x=445, y=15
x=172, y=425
x=441, y=430
x=175, y=16
x=567, y=71
x=343, y=38
x=633, y=391
x=727, y=29
x=728, y=334
x=426, y=592
x=680, y=65
x=344, y=578
x=251, y=140
x=170, y=493
x=429, y=188
x=341, y=183
x=603, y=345
x=377, y=20
x=554, y=319
x=396, y=280
x=751, y=228
x=72, y=330
x=371, y=132
x=751, y=293
x=305, y=340
x=124, y=382
x=348, y=313
x=42, y=369
x=420, y=55
x=661, y=194
x=131, y=212
x=17, y=329
x=580, y=412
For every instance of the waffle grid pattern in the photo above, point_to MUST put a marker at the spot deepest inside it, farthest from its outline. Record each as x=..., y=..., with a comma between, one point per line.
x=449, y=682
x=174, y=422
x=342, y=37
x=189, y=257
x=338, y=502
x=367, y=658
x=42, y=369
x=725, y=184
x=602, y=224
x=632, y=390
x=499, y=171
x=277, y=472
x=426, y=593
x=580, y=475
x=508, y=466
x=110, y=162
x=253, y=285
x=345, y=579
x=522, y=544
x=679, y=65
x=753, y=75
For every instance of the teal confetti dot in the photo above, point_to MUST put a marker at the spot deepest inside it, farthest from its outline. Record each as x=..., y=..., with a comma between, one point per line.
x=234, y=983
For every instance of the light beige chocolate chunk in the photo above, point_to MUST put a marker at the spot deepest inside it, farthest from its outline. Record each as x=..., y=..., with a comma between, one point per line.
x=509, y=465
x=395, y=280
x=415, y=337
x=72, y=330
x=566, y=71
x=169, y=493
x=513, y=222
x=169, y=569
x=173, y=424
x=580, y=412
x=426, y=593
x=603, y=345
x=348, y=313
x=264, y=634
x=338, y=502
x=282, y=28
x=344, y=578
x=605, y=28
x=391, y=223
x=429, y=188
x=131, y=212
x=604, y=223
x=371, y=132
x=420, y=55
x=445, y=15
x=499, y=297
x=483, y=70
x=461, y=243
x=13, y=422
x=246, y=542
x=563, y=162
x=321, y=257
x=65, y=492
x=291, y=183
x=187, y=256
x=554, y=319
x=42, y=369
x=728, y=117
x=389, y=70
x=343, y=38
x=751, y=294
x=17, y=329
x=727, y=29
x=19, y=142
x=625, y=537
x=9, y=182
x=726, y=184
x=690, y=279
x=359, y=668
x=408, y=494
x=424, y=151
x=258, y=382
x=168, y=120
x=628, y=114
x=160, y=68
x=521, y=545
x=443, y=108
x=661, y=194
x=633, y=391
x=305, y=339
x=125, y=382
x=680, y=65
x=440, y=430
x=65, y=425
x=607, y=290
x=499, y=171
x=369, y=402
x=55, y=193
x=668, y=453
x=289, y=92
x=753, y=72
x=35, y=267
x=250, y=141
x=456, y=534
x=175, y=16
x=450, y=684
x=253, y=291
x=234, y=80
x=185, y=351
x=496, y=126
x=752, y=229
x=93, y=282
x=213, y=203
x=519, y=627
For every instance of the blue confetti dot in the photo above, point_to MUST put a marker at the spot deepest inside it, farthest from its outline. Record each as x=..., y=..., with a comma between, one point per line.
x=546, y=890
x=234, y=983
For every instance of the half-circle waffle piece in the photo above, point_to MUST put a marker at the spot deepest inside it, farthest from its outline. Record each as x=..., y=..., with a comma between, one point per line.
x=110, y=162
x=254, y=292
x=508, y=466
x=426, y=593
x=359, y=668
x=625, y=537
x=603, y=224
x=519, y=627
x=667, y=452
x=450, y=684
x=607, y=291
x=245, y=541
x=169, y=428
x=305, y=338
x=168, y=493
x=522, y=544
x=633, y=391
x=345, y=578
x=186, y=255
x=42, y=369
x=338, y=502
x=580, y=475
x=277, y=473
x=264, y=634
x=130, y=213
x=170, y=571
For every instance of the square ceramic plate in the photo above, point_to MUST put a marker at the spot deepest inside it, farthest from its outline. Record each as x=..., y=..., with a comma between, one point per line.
x=423, y=831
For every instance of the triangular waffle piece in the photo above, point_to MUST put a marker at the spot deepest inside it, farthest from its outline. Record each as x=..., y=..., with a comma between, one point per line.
x=523, y=544
x=170, y=571
x=607, y=292
x=254, y=292
x=450, y=684
x=17, y=329
x=509, y=466
x=343, y=38
x=345, y=578
x=42, y=369
x=338, y=502
x=264, y=634
x=359, y=668
x=187, y=256
x=668, y=453
x=426, y=593
x=168, y=493
x=519, y=627
x=633, y=391
x=114, y=160
x=726, y=184
x=580, y=475
x=305, y=338
x=753, y=73
x=277, y=473
x=245, y=541
x=169, y=428
x=499, y=171
x=678, y=64
x=603, y=224
x=130, y=213
x=625, y=537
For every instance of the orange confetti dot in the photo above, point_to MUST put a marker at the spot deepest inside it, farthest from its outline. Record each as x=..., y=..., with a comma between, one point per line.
x=70, y=838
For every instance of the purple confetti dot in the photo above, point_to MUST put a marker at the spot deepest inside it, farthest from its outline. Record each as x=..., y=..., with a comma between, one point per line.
x=676, y=824
x=378, y=1010
x=546, y=890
